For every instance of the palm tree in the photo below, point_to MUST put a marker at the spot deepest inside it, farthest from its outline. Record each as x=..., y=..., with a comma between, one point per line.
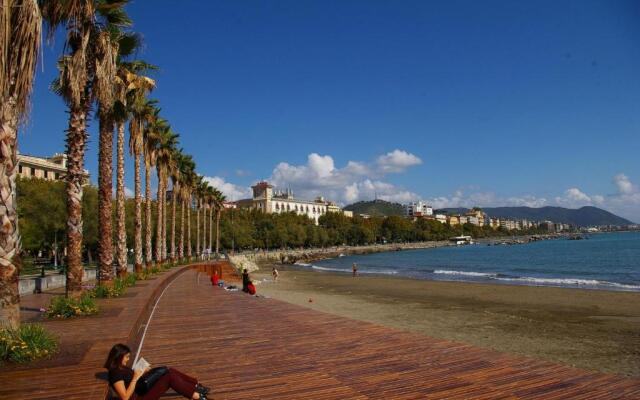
x=199, y=192
x=143, y=111
x=189, y=188
x=86, y=74
x=129, y=87
x=151, y=136
x=167, y=141
x=176, y=177
x=218, y=204
x=186, y=166
x=18, y=54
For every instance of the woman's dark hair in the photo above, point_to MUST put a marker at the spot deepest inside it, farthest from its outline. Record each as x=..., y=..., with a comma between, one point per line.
x=115, y=356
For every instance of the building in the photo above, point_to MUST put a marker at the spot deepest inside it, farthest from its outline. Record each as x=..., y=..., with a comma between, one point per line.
x=453, y=220
x=52, y=169
x=417, y=209
x=494, y=223
x=275, y=202
x=476, y=217
x=441, y=218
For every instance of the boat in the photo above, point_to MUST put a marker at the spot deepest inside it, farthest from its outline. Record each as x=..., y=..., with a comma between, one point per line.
x=461, y=240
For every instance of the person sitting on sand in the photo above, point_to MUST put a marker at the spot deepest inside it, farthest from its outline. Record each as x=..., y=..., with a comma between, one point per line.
x=123, y=379
x=214, y=278
x=275, y=274
x=251, y=289
x=354, y=268
x=245, y=280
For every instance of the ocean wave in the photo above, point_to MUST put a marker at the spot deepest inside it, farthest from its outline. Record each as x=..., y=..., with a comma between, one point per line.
x=465, y=273
x=571, y=282
x=541, y=281
x=328, y=269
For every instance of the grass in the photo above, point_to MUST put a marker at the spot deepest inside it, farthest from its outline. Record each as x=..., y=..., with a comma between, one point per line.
x=27, y=343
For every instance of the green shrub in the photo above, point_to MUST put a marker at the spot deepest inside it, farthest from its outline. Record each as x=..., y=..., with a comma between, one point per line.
x=27, y=343
x=130, y=280
x=107, y=291
x=66, y=307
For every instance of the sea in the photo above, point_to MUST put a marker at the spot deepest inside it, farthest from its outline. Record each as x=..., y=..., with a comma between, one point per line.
x=606, y=261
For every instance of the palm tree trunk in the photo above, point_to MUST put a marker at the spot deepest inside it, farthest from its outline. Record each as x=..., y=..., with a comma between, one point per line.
x=217, y=232
x=159, y=221
x=9, y=234
x=174, y=196
x=105, y=197
x=164, y=219
x=147, y=228
x=211, y=228
x=198, y=228
x=181, y=244
x=189, y=228
x=204, y=230
x=76, y=144
x=121, y=243
x=137, y=224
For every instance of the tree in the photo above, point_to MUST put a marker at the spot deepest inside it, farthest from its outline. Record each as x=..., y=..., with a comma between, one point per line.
x=218, y=200
x=151, y=136
x=86, y=73
x=142, y=112
x=166, y=143
x=21, y=24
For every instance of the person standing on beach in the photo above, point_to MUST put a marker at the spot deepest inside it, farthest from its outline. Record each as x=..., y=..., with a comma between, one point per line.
x=275, y=274
x=245, y=280
x=354, y=268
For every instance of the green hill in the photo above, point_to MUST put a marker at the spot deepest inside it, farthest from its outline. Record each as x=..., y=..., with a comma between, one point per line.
x=375, y=208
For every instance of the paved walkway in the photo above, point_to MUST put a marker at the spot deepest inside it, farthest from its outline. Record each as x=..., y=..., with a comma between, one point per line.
x=258, y=348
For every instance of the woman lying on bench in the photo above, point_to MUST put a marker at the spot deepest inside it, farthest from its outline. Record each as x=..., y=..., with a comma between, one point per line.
x=123, y=380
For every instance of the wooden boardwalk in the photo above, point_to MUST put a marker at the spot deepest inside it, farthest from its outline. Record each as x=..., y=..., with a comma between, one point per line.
x=76, y=372
x=250, y=347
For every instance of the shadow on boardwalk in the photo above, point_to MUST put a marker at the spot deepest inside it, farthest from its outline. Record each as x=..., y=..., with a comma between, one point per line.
x=249, y=347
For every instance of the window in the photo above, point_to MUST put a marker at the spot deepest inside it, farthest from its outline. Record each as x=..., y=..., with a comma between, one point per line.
x=19, y=169
x=33, y=171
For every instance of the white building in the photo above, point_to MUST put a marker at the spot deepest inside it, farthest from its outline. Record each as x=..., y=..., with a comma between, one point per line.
x=417, y=209
x=270, y=201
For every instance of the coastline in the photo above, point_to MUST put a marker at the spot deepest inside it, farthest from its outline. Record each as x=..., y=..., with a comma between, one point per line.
x=588, y=329
x=252, y=260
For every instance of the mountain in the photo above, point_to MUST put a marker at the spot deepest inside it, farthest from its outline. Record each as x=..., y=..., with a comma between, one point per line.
x=585, y=216
x=375, y=208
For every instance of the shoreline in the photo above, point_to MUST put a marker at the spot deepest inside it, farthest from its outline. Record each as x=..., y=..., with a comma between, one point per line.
x=252, y=260
x=588, y=329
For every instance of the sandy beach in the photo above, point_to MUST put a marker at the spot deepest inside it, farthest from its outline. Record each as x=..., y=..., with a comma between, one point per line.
x=589, y=329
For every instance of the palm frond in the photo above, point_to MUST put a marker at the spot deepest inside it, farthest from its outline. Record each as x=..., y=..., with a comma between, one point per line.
x=20, y=31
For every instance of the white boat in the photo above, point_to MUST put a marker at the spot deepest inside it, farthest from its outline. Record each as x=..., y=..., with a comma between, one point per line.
x=460, y=240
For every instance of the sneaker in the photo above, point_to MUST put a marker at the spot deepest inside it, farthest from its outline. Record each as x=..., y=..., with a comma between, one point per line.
x=203, y=390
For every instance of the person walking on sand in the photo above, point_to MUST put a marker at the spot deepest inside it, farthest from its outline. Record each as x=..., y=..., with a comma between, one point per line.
x=275, y=274
x=354, y=268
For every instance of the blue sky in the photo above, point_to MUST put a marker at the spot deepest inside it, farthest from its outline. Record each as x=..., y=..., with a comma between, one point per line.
x=455, y=102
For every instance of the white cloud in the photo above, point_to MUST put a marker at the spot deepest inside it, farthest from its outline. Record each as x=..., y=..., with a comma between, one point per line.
x=397, y=161
x=128, y=193
x=574, y=197
x=355, y=181
x=624, y=185
x=232, y=192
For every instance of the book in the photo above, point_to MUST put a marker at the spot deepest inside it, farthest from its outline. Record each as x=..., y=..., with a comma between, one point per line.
x=141, y=364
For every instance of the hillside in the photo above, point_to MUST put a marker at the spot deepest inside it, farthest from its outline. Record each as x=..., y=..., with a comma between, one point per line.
x=585, y=216
x=375, y=208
